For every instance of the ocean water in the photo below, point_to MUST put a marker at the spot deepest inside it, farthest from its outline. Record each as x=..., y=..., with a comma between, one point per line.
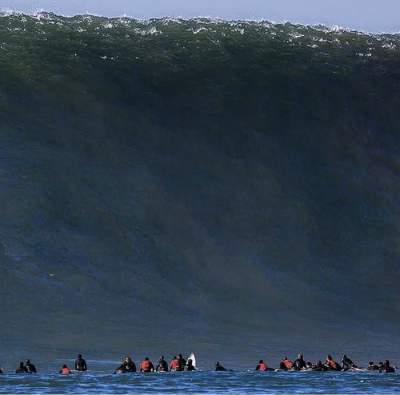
x=204, y=382
x=225, y=187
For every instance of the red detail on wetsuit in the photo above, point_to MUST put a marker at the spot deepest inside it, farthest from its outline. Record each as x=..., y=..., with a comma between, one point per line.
x=262, y=367
x=332, y=364
x=145, y=366
x=174, y=365
x=288, y=364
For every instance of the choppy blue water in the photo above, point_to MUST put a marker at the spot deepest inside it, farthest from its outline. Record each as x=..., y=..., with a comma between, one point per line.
x=204, y=382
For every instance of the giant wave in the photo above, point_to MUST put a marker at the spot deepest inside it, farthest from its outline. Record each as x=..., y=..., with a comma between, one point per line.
x=228, y=187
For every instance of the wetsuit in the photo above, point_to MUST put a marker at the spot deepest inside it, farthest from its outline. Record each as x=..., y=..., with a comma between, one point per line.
x=299, y=364
x=181, y=364
x=174, y=365
x=387, y=368
x=332, y=365
x=286, y=364
x=130, y=367
x=80, y=365
x=190, y=368
x=262, y=367
x=347, y=363
x=219, y=368
x=162, y=366
x=126, y=367
x=320, y=367
x=65, y=370
x=146, y=366
x=30, y=367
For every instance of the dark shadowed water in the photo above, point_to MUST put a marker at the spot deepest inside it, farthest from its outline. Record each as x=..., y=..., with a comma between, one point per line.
x=204, y=382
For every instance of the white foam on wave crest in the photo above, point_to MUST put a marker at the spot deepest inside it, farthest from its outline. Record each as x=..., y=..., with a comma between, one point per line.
x=312, y=36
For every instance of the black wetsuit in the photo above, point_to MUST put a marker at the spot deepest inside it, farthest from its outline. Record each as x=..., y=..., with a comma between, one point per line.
x=388, y=369
x=181, y=364
x=80, y=365
x=130, y=367
x=190, y=368
x=127, y=367
x=162, y=366
x=320, y=367
x=220, y=368
x=299, y=364
x=30, y=367
x=347, y=363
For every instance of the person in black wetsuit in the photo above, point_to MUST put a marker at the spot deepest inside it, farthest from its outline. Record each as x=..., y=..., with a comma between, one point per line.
x=21, y=369
x=127, y=366
x=189, y=366
x=387, y=368
x=299, y=363
x=130, y=366
x=162, y=365
x=181, y=363
x=80, y=364
x=373, y=366
x=347, y=363
x=30, y=367
x=1, y=371
x=219, y=367
x=319, y=367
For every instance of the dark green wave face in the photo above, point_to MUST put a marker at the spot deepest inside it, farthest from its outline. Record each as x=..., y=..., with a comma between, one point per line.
x=230, y=188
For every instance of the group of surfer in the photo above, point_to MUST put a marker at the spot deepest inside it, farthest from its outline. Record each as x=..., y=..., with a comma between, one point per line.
x=179, y=364
x=28, y=367
x=299, y=364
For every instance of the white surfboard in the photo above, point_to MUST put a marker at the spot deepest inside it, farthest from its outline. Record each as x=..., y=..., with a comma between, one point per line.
x=193, y=358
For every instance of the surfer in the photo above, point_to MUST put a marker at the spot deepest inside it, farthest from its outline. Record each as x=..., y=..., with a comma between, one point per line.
x=162, y=365
x=127, y=366
x=319, y=367
x=347, y=363
x=65, y=370
x=1, y=371
x=387, y=368
x=174, y=364
x=219, y=367
x=331, y=364
x=286, y=364
x=30, y=367
x=21, y=369
x=262, y=366
x=372, y=366
x=189, y=366
x=80, y=364
x=146, y=366
x=181, y=363
x=299, y=363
